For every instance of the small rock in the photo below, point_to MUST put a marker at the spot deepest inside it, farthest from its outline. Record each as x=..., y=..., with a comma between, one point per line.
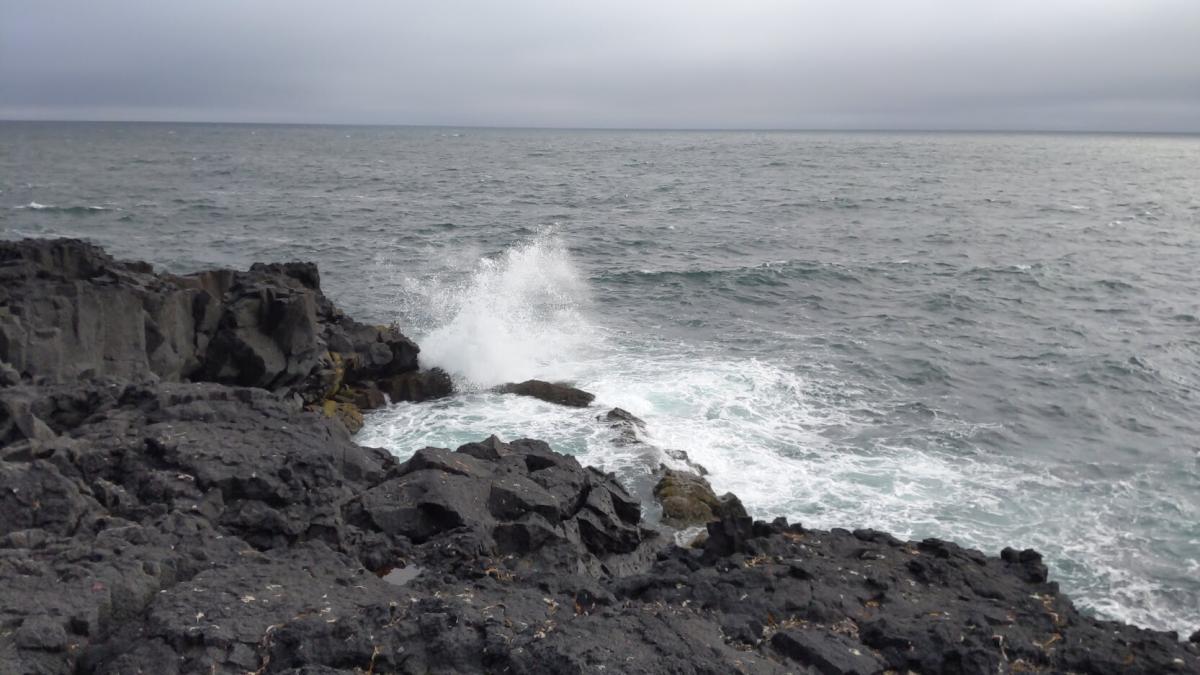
x=418, y=386
x=367, y=397
x=627, y=425
x=9, y=375
x=41, y=632
x=550, y=392
x=688, y=499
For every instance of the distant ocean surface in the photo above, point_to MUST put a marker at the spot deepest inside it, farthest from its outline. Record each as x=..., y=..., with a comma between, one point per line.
x=988, y=338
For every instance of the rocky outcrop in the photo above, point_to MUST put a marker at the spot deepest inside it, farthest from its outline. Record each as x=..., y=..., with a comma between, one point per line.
x=630, y=430
x=155, y=522
x=417, y=386
x=185, y=528
x=628, y=427
x=68, y=310
x=550, y=392
x=687, y=499
x=196, y=519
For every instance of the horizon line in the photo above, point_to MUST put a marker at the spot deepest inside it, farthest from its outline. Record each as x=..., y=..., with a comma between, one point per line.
x=522, y=127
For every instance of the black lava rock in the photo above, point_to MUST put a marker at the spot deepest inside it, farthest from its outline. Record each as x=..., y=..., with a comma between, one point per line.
x=174, y=499
x=550, y=392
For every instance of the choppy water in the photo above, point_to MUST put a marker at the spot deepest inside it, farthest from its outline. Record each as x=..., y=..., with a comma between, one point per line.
x=988, y=338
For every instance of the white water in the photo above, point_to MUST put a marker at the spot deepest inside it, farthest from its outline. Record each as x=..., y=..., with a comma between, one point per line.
x=804, y=445
x=512, y=318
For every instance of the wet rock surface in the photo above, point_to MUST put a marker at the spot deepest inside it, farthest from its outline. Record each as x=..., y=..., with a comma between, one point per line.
x=687, y=499
x=549, y=392
x=153, y=520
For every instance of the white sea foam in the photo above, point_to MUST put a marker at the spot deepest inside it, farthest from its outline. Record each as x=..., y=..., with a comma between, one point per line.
x=35, y=206
x=516, y=316
x=793, y=441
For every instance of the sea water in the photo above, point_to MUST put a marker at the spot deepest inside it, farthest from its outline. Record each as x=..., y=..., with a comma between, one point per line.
x=988, y=338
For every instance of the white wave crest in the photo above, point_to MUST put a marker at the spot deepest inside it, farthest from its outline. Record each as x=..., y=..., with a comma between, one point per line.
x=515, y=316
x=35, y=206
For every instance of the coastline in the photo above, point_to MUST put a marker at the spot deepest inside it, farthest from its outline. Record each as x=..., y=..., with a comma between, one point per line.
x=181, y=493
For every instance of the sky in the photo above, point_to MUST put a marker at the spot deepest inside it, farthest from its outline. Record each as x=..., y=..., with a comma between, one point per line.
x=1087, y=65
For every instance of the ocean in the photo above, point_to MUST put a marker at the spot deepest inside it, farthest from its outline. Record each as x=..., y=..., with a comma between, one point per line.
x=988, y=338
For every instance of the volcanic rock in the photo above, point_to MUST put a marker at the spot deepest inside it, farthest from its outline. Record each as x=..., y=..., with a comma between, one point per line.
x=629, y=427
x=688, y=499
x=418, y=386
x=68, y=310
x=550, y=392
x=154, y=522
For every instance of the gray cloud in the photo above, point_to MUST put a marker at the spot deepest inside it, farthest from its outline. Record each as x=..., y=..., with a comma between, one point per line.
x=1048, y=64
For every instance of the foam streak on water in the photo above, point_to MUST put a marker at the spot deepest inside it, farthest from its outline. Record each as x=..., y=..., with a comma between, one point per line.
x=786, y=443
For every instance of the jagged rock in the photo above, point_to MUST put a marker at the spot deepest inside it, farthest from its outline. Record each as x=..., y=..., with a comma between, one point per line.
x=366, y=397
x=491, y=448
x=1029, y=562
x=550, y=392
x=629, y=427
x=688, y=499
x=506, y=499
x=729, y=534
x=155, y=526
x=418, y=386
x=266, y=336
x=630, y=431
x=70, y=311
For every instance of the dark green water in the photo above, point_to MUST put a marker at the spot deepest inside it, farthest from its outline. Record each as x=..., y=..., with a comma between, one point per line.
x=989, y=338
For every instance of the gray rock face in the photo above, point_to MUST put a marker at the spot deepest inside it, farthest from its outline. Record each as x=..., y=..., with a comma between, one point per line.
x=155, y=526
x=68, y=310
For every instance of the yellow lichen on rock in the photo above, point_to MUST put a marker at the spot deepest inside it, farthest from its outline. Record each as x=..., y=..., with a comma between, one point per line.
x=339, y=373
x=348, y=413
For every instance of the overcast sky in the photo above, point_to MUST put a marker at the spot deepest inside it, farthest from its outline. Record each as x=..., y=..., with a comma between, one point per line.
x=884, y=64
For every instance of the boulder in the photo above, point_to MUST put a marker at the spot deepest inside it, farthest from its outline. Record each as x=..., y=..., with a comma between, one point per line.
x=509, y=499
x=365, y=396
x=628, y=426
x=687, y=499
x=417, y=386
x=631, y=429
x=550, y=392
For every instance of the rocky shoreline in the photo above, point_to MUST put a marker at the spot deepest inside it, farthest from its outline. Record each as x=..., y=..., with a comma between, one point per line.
x=180, y=493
